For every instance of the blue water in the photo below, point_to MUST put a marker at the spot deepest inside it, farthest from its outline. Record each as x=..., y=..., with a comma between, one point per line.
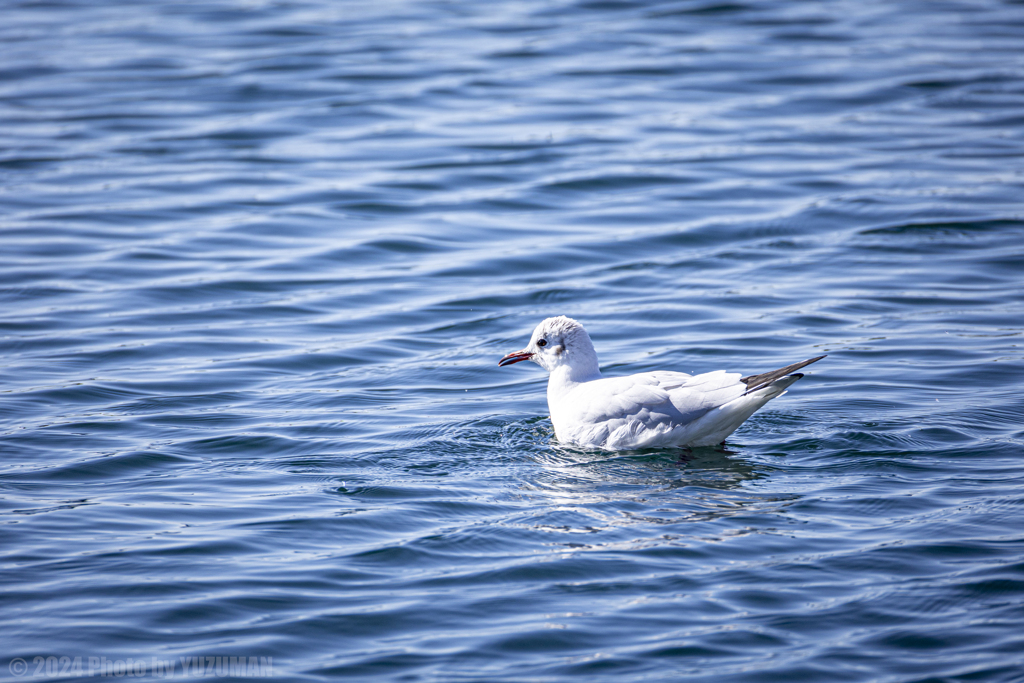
x=258, y=261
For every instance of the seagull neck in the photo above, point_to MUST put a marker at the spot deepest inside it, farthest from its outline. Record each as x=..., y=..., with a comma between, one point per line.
x=564, y=379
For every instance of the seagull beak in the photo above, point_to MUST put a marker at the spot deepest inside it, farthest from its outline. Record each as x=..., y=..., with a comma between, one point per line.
x=515, y=357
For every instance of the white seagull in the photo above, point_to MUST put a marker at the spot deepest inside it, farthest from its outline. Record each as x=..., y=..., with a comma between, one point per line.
x=649, y=409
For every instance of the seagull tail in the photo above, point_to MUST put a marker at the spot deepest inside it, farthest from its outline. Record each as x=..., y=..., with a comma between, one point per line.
x=719, y=423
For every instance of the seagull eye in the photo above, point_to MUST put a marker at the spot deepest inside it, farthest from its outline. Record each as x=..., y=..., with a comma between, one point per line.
x=542, y=342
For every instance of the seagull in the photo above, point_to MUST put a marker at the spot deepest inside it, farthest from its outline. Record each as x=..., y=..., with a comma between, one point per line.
x=647, y=410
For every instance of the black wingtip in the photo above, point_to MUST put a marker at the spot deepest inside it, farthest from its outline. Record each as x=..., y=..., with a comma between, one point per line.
x=755, y=382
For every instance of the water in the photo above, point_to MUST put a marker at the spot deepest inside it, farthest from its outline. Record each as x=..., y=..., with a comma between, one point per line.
x=259, y=261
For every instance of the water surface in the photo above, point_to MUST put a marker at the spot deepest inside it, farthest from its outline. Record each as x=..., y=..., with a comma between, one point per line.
x=258, y=261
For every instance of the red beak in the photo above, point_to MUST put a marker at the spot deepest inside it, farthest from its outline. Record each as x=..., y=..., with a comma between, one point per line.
x=515, y=357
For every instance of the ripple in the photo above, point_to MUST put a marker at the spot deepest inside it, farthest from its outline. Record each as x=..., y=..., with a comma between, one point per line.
x=259, y=263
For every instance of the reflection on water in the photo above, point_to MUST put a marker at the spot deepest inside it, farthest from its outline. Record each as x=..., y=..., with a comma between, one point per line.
x=659, y=469
x=641, y=499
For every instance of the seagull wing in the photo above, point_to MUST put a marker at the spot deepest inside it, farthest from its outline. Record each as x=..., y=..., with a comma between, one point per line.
x=647, y=409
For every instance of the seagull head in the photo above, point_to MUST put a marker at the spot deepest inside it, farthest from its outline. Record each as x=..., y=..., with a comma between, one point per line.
x=559, y=342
